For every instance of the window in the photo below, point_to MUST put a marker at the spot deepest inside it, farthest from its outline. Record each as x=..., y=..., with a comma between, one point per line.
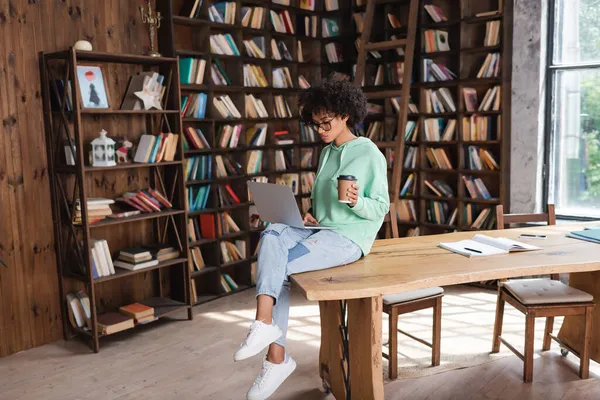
x=573, y=123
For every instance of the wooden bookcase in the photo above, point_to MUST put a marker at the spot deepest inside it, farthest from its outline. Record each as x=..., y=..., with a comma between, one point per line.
x=466, y=35
x=182, y=37
x=164, y=286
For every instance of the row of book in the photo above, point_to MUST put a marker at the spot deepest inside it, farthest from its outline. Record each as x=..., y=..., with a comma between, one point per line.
x=439, y=212
x=439, y=129
x=194, y=105
x=490, y=102
x=478, y=127
x=156, y=148
x=198, y=168
x=480, y=159
x=211, y=226
x=223, y=44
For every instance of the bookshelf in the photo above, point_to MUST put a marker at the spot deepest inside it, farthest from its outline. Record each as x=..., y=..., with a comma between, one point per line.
x=79, y=188
x=432, y=210
x=186, y=33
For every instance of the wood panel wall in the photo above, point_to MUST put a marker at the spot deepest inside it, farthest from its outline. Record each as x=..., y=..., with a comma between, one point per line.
x=29, y=303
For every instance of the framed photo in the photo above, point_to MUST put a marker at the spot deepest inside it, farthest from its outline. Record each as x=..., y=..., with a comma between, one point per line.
x=92, y=87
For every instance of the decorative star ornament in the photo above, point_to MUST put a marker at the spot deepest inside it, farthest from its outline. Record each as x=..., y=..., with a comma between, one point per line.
x=150, y=99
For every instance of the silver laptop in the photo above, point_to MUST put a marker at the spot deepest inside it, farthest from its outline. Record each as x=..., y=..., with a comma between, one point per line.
x=276, y=204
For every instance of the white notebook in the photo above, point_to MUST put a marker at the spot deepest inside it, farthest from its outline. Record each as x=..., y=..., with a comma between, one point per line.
x=482, y=245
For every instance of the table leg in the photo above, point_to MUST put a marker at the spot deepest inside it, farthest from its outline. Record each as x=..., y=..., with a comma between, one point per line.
x=331, y=352
x=364, y=348
x=364, y=332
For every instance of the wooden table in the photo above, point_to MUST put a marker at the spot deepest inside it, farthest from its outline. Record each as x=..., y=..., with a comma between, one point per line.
x=350, y=360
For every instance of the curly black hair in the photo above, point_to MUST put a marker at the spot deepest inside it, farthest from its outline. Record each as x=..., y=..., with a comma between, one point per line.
x=335, y=96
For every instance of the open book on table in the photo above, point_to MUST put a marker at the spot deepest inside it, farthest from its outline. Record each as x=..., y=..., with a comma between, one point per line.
x=482, y=245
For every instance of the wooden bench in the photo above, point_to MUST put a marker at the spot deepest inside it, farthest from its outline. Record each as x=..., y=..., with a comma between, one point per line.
x=350, y=296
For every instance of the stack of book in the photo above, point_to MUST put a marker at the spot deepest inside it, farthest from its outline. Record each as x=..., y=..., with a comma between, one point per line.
x=146, y=201
x=134, y=259
x=139, y=312
x=97, y=210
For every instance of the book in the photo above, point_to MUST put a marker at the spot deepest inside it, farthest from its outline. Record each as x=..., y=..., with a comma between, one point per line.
x=589, y=235
x=112, y=322
x=482, y=245
x=137, y=311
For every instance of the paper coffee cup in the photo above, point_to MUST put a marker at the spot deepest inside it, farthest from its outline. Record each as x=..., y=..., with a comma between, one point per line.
x=344, y=183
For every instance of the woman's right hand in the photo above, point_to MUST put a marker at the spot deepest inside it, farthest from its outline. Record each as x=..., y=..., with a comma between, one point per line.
x=308, y=218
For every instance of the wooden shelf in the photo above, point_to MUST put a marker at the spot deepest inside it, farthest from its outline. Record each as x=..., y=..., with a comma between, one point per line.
x=127, y=112
x=112, y=57
x=205, y=270
x=120, y=272
x=141, y=217
x=130, y=166
x=206, y=298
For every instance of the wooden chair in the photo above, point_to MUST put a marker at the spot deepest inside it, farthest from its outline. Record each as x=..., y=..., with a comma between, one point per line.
x=538, y=298
x=406, y=302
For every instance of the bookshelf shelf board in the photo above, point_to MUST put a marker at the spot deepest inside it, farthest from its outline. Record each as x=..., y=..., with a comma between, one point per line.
x=408, y=223
x=482, y=49
x=193, y=87
x=232, y=235
x=216, y=209
x=135, y=218
x=478, y=172
x=439, y=54
x=205, y=270
x=187, y=21
x=205, y=299
x=131, y=166
x=480, y=142
x=439, y=115
x=226, y=56
x=479, y=20
x=438, y=226
x=385, y=145
x=164, y=306
x=215, y=180
x=127, y=112
x=191, y=53
x=112, y=57
x=433, y=197
x=492, y=201
x=441, y=25
x=234, y=263
x=202, y=242
x=438, y=171
x=198, y=152
x=468, y=113
x=120, y=272
x=438, y=143
x=439, y=84
x=480, y=81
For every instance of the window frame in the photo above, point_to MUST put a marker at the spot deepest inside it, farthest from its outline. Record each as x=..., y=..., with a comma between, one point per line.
x=551, y=71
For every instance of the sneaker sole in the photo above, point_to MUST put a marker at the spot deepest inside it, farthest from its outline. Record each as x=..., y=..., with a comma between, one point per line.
x=247, y=352
x=264, y=396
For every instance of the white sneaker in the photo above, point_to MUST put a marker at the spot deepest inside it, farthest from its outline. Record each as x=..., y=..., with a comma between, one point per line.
x=260, y=336
x=270, y=378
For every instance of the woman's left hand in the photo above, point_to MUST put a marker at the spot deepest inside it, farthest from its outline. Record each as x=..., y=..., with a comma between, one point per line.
x=353, y=194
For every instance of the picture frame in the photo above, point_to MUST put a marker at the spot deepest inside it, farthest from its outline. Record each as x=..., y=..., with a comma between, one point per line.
x=93, y=89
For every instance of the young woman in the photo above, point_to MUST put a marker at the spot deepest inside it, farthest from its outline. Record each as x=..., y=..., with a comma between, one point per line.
x=331, y=109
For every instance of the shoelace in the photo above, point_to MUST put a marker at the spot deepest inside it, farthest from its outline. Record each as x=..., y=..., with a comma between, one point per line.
x=255, y=327
x=267, y=366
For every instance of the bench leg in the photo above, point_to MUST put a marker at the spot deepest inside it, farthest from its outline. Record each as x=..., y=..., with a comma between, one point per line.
x=393, y=344
x=584, y=360
x=498, y=322
x=437, y=332
x=330, y=353
x=547, y=333
x=364, y=331
x=528, y=354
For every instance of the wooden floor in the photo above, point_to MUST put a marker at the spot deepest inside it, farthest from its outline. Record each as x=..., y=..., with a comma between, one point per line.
x=193, y=360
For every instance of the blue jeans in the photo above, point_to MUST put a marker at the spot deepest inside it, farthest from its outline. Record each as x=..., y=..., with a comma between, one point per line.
x=285, y=250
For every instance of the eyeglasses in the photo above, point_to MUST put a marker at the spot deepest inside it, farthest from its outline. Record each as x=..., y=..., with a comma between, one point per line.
x=324, y=126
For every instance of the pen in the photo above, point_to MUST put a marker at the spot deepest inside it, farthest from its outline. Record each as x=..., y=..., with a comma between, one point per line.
x=533, y=236
x=473, y=250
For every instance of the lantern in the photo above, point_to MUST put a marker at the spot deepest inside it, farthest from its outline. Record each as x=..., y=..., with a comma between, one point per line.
x=103, y=151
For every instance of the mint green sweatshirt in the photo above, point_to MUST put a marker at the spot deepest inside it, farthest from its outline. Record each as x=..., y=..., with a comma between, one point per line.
x=359, y=157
